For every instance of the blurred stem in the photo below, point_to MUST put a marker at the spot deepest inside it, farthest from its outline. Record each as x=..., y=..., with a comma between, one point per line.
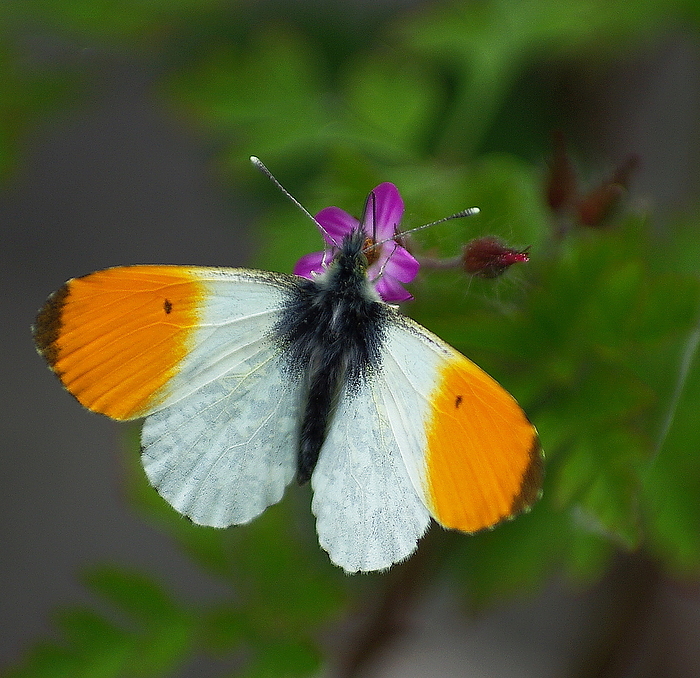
x=634, y=584
x=404, y=584
x=689, y=355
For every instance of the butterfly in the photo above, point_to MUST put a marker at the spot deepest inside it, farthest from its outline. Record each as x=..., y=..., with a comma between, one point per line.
x=250, y=379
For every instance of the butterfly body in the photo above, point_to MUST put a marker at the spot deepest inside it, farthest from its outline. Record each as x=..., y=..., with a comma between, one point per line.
x=332, y=333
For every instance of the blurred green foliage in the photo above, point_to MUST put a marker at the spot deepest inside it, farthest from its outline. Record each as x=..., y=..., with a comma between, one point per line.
x=597, y=336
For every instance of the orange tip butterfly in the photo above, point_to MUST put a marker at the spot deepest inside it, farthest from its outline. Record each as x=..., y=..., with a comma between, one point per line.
x=250, y=379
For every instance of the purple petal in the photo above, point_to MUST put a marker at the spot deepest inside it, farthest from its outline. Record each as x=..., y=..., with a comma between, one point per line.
x=391, y=290
x=394, y=261
x=388, y=207
x=401, y=265
x=336, y=224
x=311, y=263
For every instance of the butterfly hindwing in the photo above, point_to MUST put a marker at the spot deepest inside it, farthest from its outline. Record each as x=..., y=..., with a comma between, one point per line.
x=368, y=514
x=226, y=451
x=429, y=434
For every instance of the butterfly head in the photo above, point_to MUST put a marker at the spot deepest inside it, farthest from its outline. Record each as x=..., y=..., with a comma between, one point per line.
x=369, y=243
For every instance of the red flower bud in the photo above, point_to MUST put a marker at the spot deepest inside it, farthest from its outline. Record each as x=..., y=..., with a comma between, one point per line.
x=488, y=257
x=564, y=197
x=599, y=202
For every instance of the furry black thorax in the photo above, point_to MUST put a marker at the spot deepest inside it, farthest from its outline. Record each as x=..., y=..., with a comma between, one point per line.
x=332, y=331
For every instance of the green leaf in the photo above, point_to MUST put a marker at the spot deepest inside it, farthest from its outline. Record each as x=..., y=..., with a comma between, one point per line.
x=391, y=101
x=106, y=645
x=154, y=638
x=284, y=659
x=588, y=554
x=600, y=477
x=225, y=627
x=46, y=660
x=671, y=489
x=164, y=647
x=514, y=558
x=134, y=593
x=505, y=188
x=672, y=503
x=266, y=98
x=489, y=43
x=286, y=578
x=25, y=94
x=165, y=631
x=677, y=248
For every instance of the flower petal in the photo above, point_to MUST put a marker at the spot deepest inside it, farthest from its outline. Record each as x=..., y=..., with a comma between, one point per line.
x=388, y=207
x=391, y=290
x=393, y=265
x=401, y=265
x=336, y=224
x=311, y=263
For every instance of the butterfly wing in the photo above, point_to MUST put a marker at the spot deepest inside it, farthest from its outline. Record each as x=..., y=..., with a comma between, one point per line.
x=193, y=350
x=368, y=514
x=429, y=434
x=473, y=455
x=225, y=452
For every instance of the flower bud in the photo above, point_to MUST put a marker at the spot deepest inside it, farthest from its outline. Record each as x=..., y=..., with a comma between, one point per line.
x=596, y=205
x=488, y=257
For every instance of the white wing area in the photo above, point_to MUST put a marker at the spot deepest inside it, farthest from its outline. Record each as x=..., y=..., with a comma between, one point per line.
x=223, y=447
x=368, y=514
x=369, y=484
x=240, y=308
x=413, y=358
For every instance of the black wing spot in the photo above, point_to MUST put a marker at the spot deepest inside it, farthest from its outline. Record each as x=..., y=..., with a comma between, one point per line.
x=167, y=306
x=458, y=401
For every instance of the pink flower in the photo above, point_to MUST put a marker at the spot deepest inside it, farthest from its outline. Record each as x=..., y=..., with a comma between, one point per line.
x=390, y=265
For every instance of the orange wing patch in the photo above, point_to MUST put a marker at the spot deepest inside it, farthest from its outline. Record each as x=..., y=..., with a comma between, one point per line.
x=115, y=337
x=484, y=460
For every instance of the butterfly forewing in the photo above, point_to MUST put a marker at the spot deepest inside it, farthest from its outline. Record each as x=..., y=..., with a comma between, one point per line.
x=472, y=454
x=195, y=349
x=116, y=337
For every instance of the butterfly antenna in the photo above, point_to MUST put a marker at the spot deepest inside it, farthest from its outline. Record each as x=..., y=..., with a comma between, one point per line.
x=371, y=198
x=470, y=211
x=261, y=166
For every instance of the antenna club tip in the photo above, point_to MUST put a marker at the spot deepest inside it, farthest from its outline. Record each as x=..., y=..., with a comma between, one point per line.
x=255, y=160
x=469, y=212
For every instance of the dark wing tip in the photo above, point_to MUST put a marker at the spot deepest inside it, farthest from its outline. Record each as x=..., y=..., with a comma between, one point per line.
x=531, y=486
x=47, y=327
